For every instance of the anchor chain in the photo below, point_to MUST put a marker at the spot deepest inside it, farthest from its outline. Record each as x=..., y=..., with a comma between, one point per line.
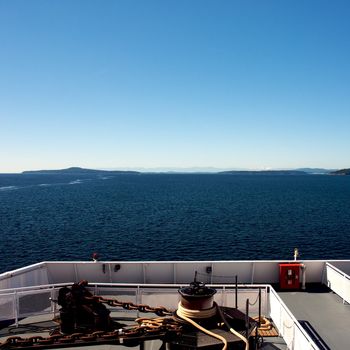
x=158, y=310
x=146, y=327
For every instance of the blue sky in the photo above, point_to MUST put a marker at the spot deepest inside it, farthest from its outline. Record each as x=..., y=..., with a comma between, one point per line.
x=129, y=84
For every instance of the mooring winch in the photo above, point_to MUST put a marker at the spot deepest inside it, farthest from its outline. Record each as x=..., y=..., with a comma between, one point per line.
x=81, y=311
x=207, y=325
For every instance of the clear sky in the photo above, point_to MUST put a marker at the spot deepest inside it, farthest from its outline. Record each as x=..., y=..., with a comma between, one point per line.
x=192, y=83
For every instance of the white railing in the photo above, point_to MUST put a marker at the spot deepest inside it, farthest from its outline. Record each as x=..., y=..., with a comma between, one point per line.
x=17, y=303
x=338, y=281
x=34, y=288
x=288, y=327
x=168, y=296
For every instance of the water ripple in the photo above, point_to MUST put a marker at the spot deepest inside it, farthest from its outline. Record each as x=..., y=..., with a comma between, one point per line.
x=173, y=217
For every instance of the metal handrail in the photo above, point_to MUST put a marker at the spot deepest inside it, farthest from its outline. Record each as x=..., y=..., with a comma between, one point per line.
x=176, y=285
x=137, y=288
x=344, y=288
x=36, y=287
x=20, y=271
x=338, y=270
x=295, y=321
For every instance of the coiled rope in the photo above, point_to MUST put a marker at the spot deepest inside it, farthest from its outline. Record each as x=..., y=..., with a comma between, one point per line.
x=185, y=314
x=199, y=314
x=188, y=314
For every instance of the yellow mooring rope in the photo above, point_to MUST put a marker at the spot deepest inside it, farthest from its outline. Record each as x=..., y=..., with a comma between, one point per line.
x=188, y=315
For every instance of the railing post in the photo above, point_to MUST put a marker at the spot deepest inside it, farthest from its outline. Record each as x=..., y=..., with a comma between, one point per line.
x=253, y=272
x=53, y=304
x=223, y=296
x=138, y=299
x=144, y=272
x=247, y=319
x=16, y=307
x=236, y=292
x=75, y=272
x=110, y=273
x=259, y=322
x=344, y=288
x=280, y=330
x=174, y=273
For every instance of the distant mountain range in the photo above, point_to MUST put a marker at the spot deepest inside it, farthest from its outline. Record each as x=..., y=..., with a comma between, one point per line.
x=83, y=171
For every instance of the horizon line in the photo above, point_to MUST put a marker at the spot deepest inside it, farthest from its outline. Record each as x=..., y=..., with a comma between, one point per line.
x=194, y=169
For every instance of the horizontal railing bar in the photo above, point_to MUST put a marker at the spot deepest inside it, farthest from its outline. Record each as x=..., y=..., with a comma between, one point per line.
x=11, y=291
x=177, y=285
x=36, y=287
x=338, y=270
x=22, y=270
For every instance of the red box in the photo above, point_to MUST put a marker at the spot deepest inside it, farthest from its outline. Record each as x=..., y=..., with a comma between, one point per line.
x=290, y=275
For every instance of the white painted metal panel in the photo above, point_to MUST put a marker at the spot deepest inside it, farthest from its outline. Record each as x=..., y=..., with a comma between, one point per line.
x=314, y=270
x=96, y=272
x=185, y=271
x=339, y=282
x=58, y=272
x=128, y=272
x=225, y=272
x=158, y=272
x=31, y=275
x=300, y=342
x=266, y=271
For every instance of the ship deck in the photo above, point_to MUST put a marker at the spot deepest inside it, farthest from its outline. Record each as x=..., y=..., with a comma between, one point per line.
x=323, y=315
x=314, y=319
x=42, y=325
x=320, y=311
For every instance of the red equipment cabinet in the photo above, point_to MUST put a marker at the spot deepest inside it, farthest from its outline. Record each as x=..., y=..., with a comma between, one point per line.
x=290, y=275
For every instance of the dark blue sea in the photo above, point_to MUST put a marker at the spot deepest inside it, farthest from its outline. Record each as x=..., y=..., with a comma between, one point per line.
x=172, y=217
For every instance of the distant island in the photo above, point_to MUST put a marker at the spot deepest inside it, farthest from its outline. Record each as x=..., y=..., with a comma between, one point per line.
x=264, y=172
x=341, y=172
x=316, y=171
x=79, y=171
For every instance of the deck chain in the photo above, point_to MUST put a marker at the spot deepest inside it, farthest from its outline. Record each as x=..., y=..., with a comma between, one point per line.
x=146, y=326
x=158, y=310
x=154, y=327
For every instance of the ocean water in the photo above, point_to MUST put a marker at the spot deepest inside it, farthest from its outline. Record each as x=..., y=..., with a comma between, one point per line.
x=172, y=217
